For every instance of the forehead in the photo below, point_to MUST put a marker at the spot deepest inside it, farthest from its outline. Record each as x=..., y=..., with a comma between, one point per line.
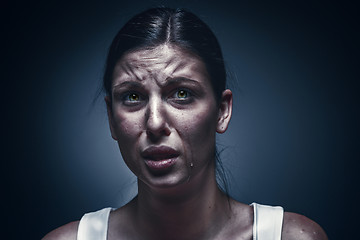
x=159, y=63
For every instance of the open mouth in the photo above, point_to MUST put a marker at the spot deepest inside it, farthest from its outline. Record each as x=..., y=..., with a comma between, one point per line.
x=160, y=158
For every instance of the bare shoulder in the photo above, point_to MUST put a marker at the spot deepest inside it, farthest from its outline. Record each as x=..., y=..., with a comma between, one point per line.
x=66, y=232
x=299, y=227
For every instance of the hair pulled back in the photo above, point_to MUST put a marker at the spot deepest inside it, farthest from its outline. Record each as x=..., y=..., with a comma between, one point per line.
x=178, y=27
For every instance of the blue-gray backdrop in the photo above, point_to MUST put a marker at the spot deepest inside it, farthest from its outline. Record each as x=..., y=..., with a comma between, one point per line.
x=293, y=140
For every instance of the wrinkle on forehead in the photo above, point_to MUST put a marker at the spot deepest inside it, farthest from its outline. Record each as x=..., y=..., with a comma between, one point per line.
x=159, y=64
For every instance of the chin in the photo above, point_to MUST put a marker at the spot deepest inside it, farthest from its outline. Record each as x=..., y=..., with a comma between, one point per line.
x=166, y=181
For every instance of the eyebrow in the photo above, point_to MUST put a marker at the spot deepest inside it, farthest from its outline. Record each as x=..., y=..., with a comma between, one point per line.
x=128, y=84
x=170, y=81
x=176, y=80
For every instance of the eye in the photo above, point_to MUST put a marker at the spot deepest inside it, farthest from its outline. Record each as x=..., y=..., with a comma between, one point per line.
x=182, y=94
x=133, y=97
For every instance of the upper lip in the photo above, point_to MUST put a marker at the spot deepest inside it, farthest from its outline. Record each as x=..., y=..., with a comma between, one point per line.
x=159, y=153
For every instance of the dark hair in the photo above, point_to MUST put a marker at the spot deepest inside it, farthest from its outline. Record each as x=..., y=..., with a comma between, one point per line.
x=179, y=27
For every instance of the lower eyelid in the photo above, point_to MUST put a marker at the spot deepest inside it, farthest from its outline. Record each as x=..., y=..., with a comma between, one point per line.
x=182, y=101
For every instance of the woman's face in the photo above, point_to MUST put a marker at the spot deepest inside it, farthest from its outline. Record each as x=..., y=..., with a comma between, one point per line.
x=164, y=115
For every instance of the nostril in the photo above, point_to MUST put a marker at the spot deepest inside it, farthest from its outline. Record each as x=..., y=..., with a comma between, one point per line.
x=157, y=128
x=155, y=136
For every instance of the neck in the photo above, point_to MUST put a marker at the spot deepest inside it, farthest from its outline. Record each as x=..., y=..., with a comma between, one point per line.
x=194, y=210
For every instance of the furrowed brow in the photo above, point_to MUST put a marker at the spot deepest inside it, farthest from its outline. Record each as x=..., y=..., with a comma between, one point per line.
x=179, y=66
x=127, y=84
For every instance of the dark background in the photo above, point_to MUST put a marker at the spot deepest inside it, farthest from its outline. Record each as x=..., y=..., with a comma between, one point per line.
x=293, y=140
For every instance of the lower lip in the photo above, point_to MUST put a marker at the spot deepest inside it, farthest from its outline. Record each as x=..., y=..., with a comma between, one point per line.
x=160, y=164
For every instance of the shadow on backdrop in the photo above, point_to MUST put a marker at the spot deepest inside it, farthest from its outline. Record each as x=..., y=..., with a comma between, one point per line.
x=293, y=140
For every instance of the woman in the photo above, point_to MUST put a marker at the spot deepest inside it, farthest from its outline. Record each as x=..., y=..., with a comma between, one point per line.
x=166, y=100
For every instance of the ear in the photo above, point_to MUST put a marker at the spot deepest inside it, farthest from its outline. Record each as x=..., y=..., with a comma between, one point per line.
x=110, y=117
x=225, y=111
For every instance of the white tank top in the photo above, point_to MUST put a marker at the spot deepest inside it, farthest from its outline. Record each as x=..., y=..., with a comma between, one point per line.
x=267, y=225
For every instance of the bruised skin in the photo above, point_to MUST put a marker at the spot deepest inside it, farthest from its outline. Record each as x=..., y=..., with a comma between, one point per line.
x=162, y=97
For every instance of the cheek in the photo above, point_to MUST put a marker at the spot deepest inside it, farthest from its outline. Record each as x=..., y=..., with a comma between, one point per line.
x=128, y=125
x=199, y=128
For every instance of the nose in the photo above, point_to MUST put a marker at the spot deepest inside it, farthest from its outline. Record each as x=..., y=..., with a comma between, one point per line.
x=156, y=119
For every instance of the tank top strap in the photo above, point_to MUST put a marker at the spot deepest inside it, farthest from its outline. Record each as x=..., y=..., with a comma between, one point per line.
x=268, y=222
x=94, y=225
